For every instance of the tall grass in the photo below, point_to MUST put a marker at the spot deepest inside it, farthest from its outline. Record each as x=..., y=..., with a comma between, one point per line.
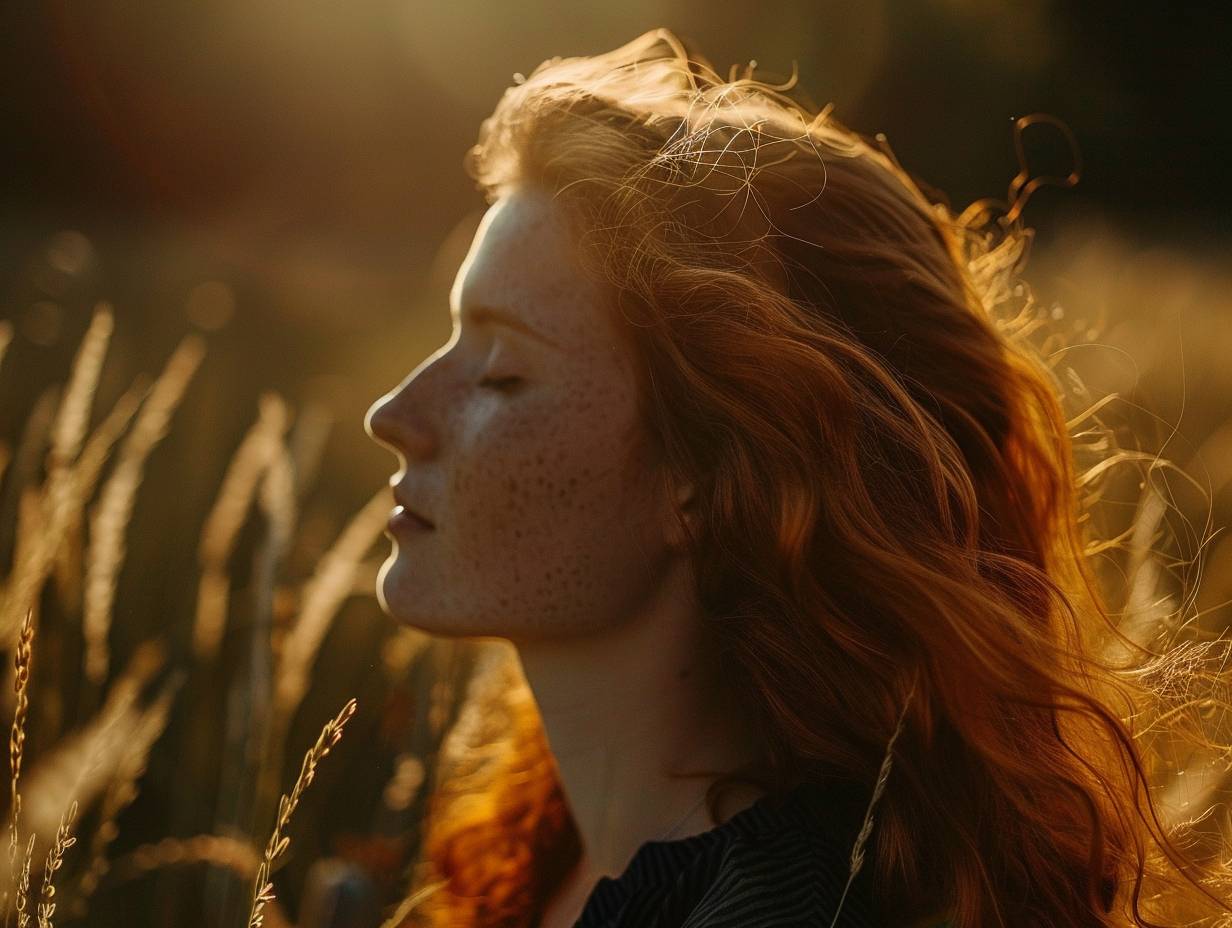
x=154, y=736
x=95, y=763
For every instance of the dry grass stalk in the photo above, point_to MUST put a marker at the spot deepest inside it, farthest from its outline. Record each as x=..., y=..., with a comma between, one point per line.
x=313, y=423
x=84, y=763
x=6, y=455
x=33, y=542
x=58, y=498
x=111, y=515
x=258, y=735
x=407, y=905
x=65, y=571
x=23, y=886
x=122, y=791
x=259, y=447
x=74, y=491
x=26, y=546
x=89, y=465
x=6, y=336
x=276, y=496
x=22, y=659
x=84, y=476
x=17, y=739
x=883, y=775
x=219, y=850
x=55, y=859
x=264, y=889
x=73, y=416
x=331, y=583
x=48, y=514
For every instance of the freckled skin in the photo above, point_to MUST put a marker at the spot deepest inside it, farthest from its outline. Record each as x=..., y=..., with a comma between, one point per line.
x=548, y=516
x=554, y=531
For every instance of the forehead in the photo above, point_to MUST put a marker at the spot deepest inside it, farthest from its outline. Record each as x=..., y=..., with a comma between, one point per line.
x=522, y=260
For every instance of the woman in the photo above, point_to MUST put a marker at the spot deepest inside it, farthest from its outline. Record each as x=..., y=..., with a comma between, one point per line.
x=734, y=443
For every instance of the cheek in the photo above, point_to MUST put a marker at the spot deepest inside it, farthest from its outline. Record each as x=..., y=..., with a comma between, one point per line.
x=551, y=523
x=532, y=469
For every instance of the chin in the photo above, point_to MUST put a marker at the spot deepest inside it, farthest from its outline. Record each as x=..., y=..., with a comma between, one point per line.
x=412, y=606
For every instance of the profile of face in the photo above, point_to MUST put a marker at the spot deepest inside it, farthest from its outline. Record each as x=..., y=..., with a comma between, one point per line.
x=521, y=442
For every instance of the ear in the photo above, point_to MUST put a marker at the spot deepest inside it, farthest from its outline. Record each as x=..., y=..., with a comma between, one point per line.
x=685, y=501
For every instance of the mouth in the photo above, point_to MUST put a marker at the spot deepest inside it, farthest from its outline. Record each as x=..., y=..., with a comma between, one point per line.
x=403, y=514
x=403, y=521
x=418, y=519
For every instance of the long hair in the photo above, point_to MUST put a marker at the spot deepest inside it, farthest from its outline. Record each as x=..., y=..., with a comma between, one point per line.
x=894, y=542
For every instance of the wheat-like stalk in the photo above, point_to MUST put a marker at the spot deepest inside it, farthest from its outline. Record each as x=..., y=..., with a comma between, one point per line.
x=78, y=488
x=30, y=536
x=330, y=584
x=89, y=466
x=866, y=829
x=55, y=858
x=22, y=660
x=59, y=499
x=123, y=790
x=261, y=443
x=73, y=416
x=23, y=886
x=83, y=762
x=111, y=514
x=17, y=738
x=264, y=889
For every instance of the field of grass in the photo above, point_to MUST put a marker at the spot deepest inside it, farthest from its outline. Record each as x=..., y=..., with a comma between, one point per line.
x=189, y=626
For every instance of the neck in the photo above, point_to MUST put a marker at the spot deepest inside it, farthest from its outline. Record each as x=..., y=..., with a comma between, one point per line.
x=625, y=709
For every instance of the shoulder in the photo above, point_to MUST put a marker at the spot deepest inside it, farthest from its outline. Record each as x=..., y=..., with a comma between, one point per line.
x=788, y=878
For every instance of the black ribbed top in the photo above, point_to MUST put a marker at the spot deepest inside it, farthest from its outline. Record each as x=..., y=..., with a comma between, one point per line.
x=783, y=861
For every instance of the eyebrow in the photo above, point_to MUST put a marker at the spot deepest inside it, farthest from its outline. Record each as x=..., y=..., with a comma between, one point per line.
x=483, y=314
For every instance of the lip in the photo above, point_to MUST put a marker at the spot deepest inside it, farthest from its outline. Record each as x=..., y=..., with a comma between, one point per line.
x=404, y=511
x=403, y=521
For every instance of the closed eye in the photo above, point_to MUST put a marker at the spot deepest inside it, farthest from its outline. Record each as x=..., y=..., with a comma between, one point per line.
x=500, y=383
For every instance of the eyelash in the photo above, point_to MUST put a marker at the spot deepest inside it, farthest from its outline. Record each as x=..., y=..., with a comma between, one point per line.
x=500, y=383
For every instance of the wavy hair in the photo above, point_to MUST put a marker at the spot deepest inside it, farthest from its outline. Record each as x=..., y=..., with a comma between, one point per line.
x=894, y=541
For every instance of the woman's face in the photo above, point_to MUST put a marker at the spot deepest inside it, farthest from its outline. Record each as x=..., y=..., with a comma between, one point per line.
x=521, y=442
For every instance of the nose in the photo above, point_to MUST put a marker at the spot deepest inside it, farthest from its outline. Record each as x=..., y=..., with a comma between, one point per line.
x=391, y=421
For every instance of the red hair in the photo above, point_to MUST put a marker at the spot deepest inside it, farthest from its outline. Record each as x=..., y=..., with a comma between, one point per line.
x=887, y=504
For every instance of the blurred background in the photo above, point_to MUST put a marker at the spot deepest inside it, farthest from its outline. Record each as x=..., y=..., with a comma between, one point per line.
x=280, y=182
